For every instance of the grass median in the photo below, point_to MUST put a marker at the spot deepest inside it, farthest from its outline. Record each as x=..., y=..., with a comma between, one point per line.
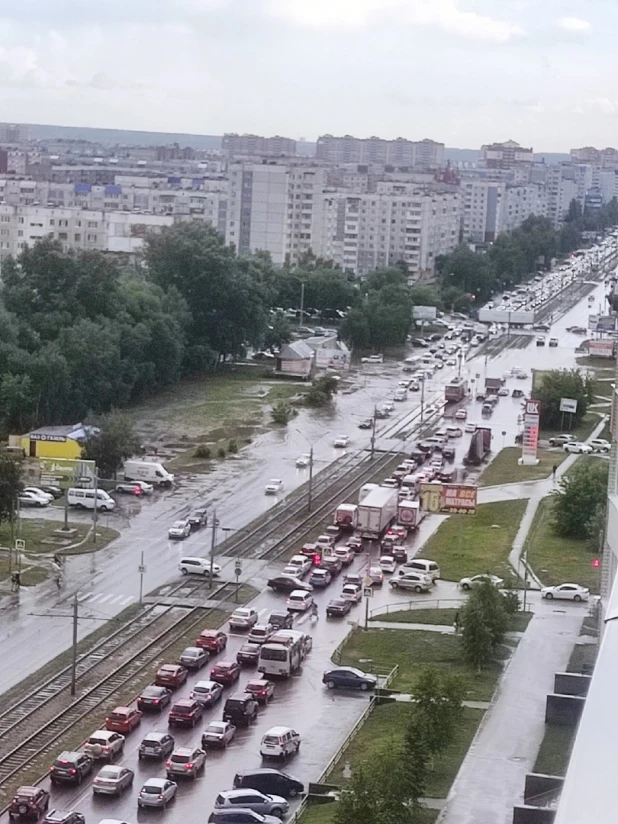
x=504, y=468
x=555, y=559
x=445, y=617
x=474, y=544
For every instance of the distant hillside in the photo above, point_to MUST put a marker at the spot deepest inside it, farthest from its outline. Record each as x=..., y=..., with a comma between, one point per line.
x=461, y=155
x=132, y=138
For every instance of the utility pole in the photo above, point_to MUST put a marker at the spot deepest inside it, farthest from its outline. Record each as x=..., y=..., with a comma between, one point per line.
x=95, y=511
x=373, y=431
x=141, y=570
x=310, y=501
x=12, y=544
x=302, y=302
x=212, y=547
x=423, y=397
x=74, y=647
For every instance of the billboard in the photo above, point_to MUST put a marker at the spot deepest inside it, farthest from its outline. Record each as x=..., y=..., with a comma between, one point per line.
x=65, y=472
x=532, y=417
x=601, y=348
x=602, y=323
x=424, y=312
x=568, y=405
x=503, y=316
x=453, y=499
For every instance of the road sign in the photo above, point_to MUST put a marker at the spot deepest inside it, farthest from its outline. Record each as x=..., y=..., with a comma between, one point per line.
x=367, y=582
x=20, y=544
x=141, y=569
x=568, y=405
x=368, y=592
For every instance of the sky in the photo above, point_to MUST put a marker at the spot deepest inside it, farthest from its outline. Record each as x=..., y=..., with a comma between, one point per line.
x=464, y=72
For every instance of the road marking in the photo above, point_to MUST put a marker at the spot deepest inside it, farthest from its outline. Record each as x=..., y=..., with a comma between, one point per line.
x=103, y=598
x=84, y=596
x=128, y=599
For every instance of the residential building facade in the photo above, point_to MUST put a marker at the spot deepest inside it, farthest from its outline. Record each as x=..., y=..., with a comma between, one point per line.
x=427, y=154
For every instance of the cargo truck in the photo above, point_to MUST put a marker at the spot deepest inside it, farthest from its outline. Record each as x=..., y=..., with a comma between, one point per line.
x=410, y=514
x=365, y=490
x=376, y=512
x=480, y=446
x=456, y=390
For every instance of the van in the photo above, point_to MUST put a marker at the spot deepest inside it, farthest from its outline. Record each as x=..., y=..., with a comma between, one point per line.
x=153, y=473
x=279, y=659
x=279, y=742
x=85, y=499
x=270, y=782
x=411, y=482
x=299, y=600
x=421, y=565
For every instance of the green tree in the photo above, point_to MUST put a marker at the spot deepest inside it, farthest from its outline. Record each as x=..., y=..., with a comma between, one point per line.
x=282, y=413
x=492, y=606
x=358, y=803
x=581, y=493
x=476, y=636
x=115, y=441
x=16, y=401
x=321, y=391
x=278, y=332
x=10, y=485
x=559, y=384
x=438, y=706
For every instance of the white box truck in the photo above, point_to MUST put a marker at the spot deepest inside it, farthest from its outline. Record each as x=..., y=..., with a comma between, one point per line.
x=410, y=514
x=346, y=517
x=365, y=490
x=376, y=512
x=149, y=471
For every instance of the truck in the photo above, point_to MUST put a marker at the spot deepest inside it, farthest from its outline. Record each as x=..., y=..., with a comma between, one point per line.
x=480, y=446
x=377, y=511
x=492, y=385
x=346, y=517
x=410, y=514
x=149, y=471
x=365, y=490
x=456, y=390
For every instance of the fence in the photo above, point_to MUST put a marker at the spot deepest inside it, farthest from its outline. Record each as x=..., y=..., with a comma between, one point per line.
x=436, y=603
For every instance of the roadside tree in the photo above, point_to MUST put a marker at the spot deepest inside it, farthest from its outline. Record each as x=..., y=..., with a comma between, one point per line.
x=475, y=636
x=437, y=707
x=559, y=384
x=115, y=442
x=582, y=493
x=10, y=485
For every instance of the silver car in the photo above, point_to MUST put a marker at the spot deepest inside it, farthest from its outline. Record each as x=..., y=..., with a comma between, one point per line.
x=112, y=780
x=194, y=658
x=185, y=761
x=157, y=792
x=252, y=800
x=104, y=744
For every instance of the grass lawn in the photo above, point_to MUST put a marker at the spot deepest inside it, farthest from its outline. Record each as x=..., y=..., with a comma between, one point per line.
x=555, y=750
x=325, y=814
x=445, y=617
x=413, y=650
x=469, y=545
x=555, y=559
x=504, y=468
x=580, y=432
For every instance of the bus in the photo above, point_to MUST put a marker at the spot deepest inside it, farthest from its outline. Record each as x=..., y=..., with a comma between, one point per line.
x=279, y=659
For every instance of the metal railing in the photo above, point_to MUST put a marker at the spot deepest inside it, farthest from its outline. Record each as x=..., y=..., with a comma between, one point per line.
x=402, y=606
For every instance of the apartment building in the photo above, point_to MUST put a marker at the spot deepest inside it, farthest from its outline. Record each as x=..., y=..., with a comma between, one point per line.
x=562, y=186
x=605, y=158
x=249, y=145
x=426, y=154
x=508, y=155
x=519, y=203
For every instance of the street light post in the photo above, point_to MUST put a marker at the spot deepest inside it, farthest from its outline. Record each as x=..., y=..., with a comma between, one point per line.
x=310, y=490
x=373, y=431
x=213, y=542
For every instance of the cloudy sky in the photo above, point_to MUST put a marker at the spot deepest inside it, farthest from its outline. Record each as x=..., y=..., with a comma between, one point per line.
x=542, y=72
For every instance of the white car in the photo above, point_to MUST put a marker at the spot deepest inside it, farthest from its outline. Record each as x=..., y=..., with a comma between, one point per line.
x=36, y=491
x=274, y=486
x=104, y=744
x=341, y=442
x=376, y=576
x=470, y=427
x=303, y=461
x=600, y=445
x=179, y=530
x=566, y=592
x=503, y=392
x=387, y=563
x=31, y=499
x=243, y=618
x=389, y=406
x=400, y=395
x=577, y=447
x=195, y=565
x=477, y=580
x=351, y=592
x=373, y=359
x=461, y=415
x=135, y=488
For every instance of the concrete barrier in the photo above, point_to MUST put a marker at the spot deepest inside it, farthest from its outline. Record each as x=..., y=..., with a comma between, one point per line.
x=571, y=683
x=564, y=710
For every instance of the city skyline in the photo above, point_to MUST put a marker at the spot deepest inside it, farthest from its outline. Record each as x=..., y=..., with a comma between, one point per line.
x=462, y=72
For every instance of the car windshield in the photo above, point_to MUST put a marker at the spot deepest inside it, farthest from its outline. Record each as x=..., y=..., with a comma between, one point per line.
x=97, y=740
x=119, y=716
x=152, y=692
x=204, y=689
x=216, y=728
x=178, y=525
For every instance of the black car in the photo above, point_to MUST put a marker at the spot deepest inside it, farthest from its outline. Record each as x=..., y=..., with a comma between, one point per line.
x=419, y=455
x=156, y=746
x=338, y=607
x=517, y=393
x=241, y=709
x=399, y=553
x=332, y=564
x=153, y=698
x=270, y=782
x=198, y=518
x=284, y=584
x=248, y=654
x=419, y=343
x=426, y=448
x=281, y=620
x=63, y=817
x=70, y=768
x=57, y=493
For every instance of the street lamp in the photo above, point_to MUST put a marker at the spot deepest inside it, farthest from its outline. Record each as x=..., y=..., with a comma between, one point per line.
x=214, y=526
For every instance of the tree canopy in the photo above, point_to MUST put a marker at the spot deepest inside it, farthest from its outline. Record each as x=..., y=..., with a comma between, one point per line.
x=558, y=384
x=582, y=494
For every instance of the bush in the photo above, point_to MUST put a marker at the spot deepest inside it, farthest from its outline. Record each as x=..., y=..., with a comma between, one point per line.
x=282, y=413
x=232, y=446
x=203, y=451
x=221, y=452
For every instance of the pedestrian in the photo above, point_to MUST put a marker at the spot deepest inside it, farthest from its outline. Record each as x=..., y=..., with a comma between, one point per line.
x=14, y=582
x=59, y=581
x=553, y=472
x=57, y=560
x=456, y=622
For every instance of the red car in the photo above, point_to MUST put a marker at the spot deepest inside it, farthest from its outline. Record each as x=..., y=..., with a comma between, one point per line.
x=171, y=675
x=212, y=639
x=123, y=719
x=226, y=673
x=309, y=550
x=29, y=803
x=261, y=689
x=186, y=712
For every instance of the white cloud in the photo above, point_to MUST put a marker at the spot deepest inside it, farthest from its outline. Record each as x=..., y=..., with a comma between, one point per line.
x=575, y=25
x=438, y=14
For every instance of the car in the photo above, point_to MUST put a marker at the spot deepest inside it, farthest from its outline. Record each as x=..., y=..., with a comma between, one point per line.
x=243, y=618
x=199, y=566
x=400, y=395
x=104, y=745
x=387, y=563
x=225, y=673
x=345, y=555
x=332, y=564
x=32, y=499
x=28, y=803
x=35, y=490
x=185, y=762
x=553, y=342
x=248, y=654
x=156, y=746
x=54, y=491
x=522, y=376
x=171, y=676
x=218, y=734
x=70, y=768
x=157, y=792
x=477, y=580
x=261, y=689
x=302, y=564
x=461, y=415
x=112, y=780
x=577, y=448
x=260, y=633
x=123, y=719
x=338, y=607
x=207, y=693
x=179, y=530
x=281, y=620
x=241, y=817
x=560, y=440
x=214, y=640
x=454, y=432
x=600, y=445
x=566, y=592
x=399, y=552
x=349, y=678
x=269, y=781
x=308, y=550
x=303, y=461
x=389, y=406
x=153, y=698
x=470, y=427
x=274, y=486
x=284, y=583
x=320, y=578
x=354, y=578
x=540, y=341
x=185, y=712
x=373, y=359
x=503, y=392
x=376, y=576
x=241, y=709
x=254, y=800
x=366, y=423
x=136, y=488
x=198, y=518
x=279, y=742
x=517, y=393
x=341, y=442
x=355, y=543
x=63, y=817
x=416, y=581
x=352, y=593
x=193, y=658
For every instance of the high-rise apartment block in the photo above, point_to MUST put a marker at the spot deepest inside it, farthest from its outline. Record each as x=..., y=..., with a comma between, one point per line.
x=249, y=145
x=427, y=154
x=507, y=155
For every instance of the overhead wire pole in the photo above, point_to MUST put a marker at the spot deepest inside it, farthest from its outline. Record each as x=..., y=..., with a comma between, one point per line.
x=373, y=431
x=213, y=542
x=310, y=491
x=95, y=511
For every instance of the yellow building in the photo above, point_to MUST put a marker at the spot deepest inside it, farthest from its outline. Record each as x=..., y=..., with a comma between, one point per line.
x=55, y=441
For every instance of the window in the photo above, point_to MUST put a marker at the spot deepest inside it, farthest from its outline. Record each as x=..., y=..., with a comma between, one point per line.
x=77, y=237
x=20, y=233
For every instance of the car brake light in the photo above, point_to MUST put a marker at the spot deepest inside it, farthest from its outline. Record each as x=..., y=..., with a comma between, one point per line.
x=155, y=701
x=168, y=763
x=73, y=771
x=189, y=766
x=105, y=748
x=160, y=796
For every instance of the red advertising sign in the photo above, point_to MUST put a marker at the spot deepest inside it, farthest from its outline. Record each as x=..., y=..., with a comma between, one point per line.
x=532, y=417
x=601, y=348
x=459, y=499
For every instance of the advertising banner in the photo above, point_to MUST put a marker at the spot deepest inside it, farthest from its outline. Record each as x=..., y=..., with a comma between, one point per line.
x=568, y=405
x=453, y=499
x=65, y=472
x=424, y=312
x=601, y=348
x=532, y=417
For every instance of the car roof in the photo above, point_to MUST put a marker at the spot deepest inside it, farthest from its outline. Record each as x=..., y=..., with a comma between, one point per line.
x=278, y=730
x=155, y=782
x=155, y=735
x=183, y=750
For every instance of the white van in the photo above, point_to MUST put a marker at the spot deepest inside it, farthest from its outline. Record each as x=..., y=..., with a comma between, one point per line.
x=421, y=565
x=279, y=742
x=153, y=473
x=85, y=499
x=280, y=659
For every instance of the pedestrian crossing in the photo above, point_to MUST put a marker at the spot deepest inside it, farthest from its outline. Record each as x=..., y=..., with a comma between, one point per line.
x=104, y=598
